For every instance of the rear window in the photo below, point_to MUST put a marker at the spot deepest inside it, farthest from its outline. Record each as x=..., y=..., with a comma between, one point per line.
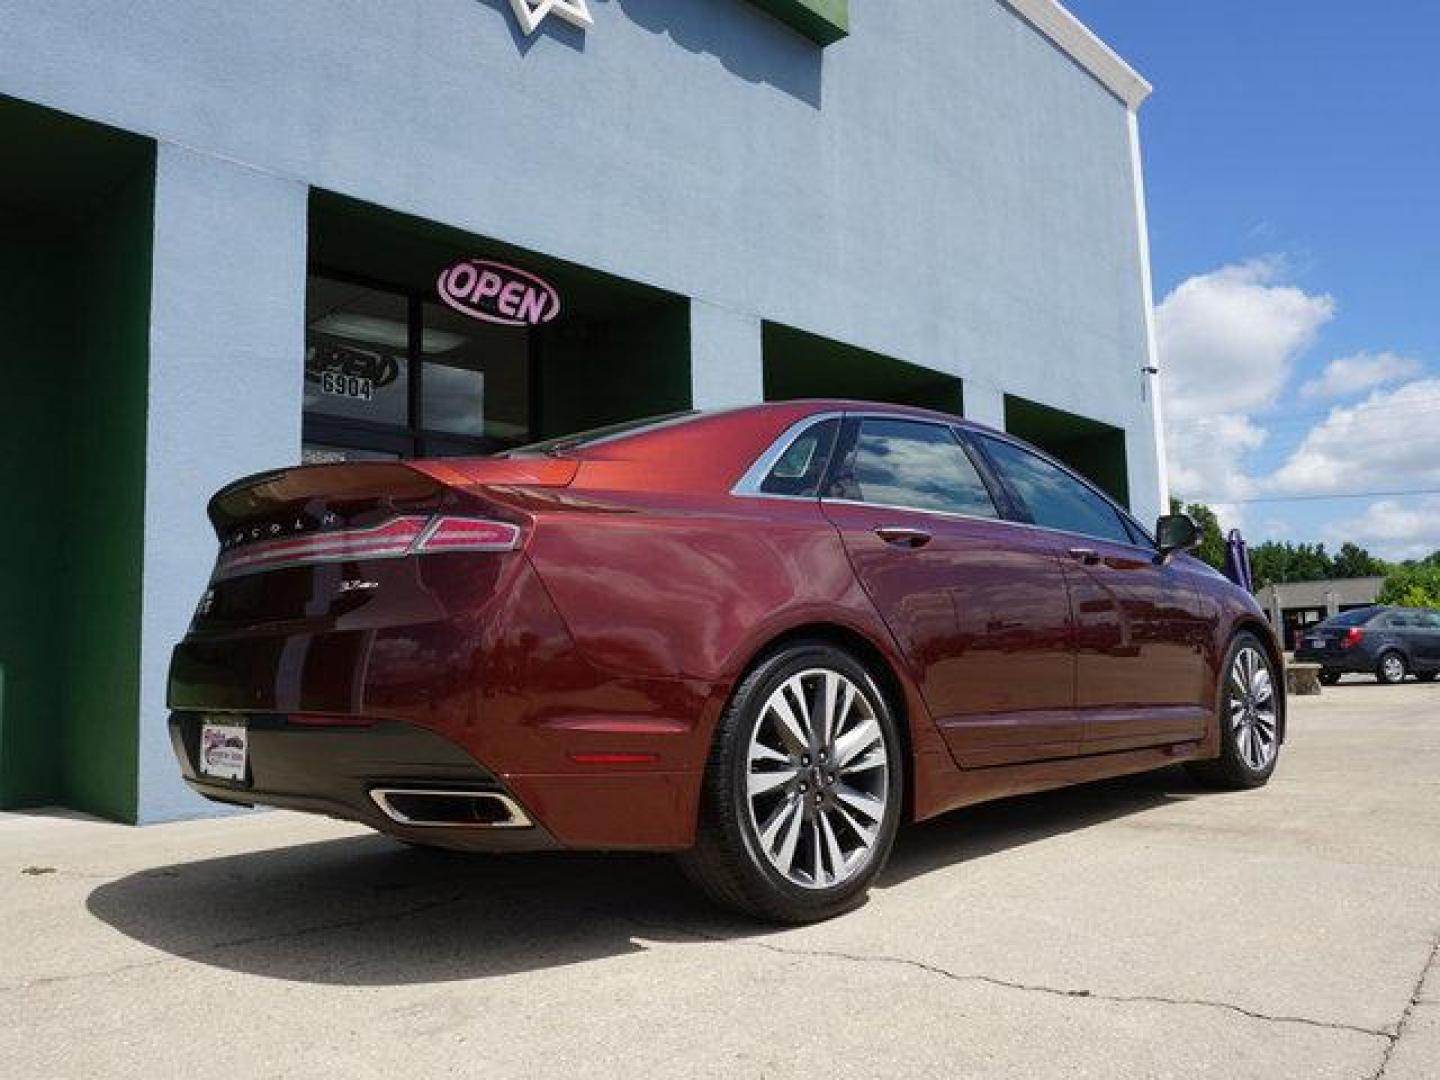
x=594, y=436
x=1353, y=618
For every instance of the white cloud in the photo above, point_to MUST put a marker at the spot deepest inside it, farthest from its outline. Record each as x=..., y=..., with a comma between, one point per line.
x=1352, y=375
x=1229, y=339
x=1205, y=455
x=1393, y=530
x=1388, y=442
x=1228, y=342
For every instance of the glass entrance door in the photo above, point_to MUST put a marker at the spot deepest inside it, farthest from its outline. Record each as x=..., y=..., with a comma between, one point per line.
x=390, y=375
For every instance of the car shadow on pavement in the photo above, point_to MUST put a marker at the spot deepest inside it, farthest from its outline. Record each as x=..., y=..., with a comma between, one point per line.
x=989, y=828
x=366, y=911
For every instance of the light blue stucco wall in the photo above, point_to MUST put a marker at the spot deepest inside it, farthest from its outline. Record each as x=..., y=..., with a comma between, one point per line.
x=227, y=331
x=944, y=186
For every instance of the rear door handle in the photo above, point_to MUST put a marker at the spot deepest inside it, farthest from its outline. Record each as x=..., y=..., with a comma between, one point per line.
x=902, y=536
x=1088, y=556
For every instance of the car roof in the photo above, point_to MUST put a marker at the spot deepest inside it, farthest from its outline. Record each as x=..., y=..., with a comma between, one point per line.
x=733, y=438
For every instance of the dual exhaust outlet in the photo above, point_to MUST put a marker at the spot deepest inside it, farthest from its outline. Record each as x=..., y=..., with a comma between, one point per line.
x=427, y=808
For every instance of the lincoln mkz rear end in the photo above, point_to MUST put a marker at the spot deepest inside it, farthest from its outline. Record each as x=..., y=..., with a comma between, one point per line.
x=492, y=654
x=376, y=644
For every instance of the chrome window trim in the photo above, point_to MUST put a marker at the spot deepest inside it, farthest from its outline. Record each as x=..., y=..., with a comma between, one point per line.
x=955, y=514
x=748, y=486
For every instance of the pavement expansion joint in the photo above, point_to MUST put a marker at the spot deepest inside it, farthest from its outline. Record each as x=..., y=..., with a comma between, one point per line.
x=1393, y=1039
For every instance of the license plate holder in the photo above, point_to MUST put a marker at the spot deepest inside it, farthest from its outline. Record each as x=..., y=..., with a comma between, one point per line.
x=224, y=752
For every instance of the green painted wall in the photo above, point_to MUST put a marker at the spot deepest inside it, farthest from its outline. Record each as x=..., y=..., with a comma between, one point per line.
x=824, y=21
x=105, y=488
x=801, y=365
x=33, y=487
x=75, y=267
x=595, y=372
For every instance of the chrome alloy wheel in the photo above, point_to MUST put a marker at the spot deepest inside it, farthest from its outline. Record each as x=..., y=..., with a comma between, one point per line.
x=818, y=779
x=1252, y=708
x=1392, y=667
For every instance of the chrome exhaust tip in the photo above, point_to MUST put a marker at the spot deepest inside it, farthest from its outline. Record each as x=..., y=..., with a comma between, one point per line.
x=428, y=808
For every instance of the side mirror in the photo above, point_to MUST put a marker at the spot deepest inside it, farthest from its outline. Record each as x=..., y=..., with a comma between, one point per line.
x=1176, y=532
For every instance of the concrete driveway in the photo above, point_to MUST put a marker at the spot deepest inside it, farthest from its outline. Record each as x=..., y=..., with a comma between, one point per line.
x=1140, y=928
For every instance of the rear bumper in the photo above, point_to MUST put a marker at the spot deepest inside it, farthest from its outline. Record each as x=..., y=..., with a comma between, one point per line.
x=491, y=694
x=1348, y=660
x=335, y=770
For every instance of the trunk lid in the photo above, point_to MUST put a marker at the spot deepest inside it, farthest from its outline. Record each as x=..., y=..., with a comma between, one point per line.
x=331, y=545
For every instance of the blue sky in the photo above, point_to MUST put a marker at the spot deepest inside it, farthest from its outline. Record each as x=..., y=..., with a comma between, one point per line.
x=1292, y=155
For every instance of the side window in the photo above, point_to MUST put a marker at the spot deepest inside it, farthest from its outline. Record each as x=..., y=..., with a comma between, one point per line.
x=1054, y=498
x=916, y=465
x=1399, y=622
x=1428, y=620
x=802, y=466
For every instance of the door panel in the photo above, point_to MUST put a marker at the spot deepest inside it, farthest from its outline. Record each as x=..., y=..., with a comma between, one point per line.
x=1140, y=626
x=1140, y=633
x=981, y=612
x=1423, y=639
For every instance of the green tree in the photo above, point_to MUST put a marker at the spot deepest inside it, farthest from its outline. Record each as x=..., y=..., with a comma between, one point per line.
x=1412, y=586
x=1273, y=562
x=1212, y=540
x=1353, y=561
x=1270, y=562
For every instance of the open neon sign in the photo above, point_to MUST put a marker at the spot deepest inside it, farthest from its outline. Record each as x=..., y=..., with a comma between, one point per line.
x=496, y=293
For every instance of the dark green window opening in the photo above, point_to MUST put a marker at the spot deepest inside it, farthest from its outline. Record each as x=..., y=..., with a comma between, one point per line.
x=822, y=21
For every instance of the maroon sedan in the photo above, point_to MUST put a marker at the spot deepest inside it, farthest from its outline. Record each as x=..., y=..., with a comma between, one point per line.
x=759, y=638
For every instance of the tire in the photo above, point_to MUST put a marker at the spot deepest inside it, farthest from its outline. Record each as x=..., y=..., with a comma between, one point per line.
x=1248, y=715
x=1391, y=668
x=1329, y=678
x=759, y=853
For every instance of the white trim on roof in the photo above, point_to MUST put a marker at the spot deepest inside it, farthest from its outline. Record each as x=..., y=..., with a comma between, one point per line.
x=1074, y=38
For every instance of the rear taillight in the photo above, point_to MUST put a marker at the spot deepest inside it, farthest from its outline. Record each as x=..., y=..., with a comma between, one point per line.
x=389, y=540
x=1352, y=637
x=468, y=534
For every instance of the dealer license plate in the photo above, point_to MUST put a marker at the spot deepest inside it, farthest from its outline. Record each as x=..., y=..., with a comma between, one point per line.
x=223, y=749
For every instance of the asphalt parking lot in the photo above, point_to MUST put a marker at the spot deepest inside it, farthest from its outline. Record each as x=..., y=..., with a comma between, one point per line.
x=1139, y=928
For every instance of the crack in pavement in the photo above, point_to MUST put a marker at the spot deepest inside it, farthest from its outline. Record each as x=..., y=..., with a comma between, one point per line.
x=237, y=943
x=1408, y=1012
x=1093, y=995
x=1053, y=991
